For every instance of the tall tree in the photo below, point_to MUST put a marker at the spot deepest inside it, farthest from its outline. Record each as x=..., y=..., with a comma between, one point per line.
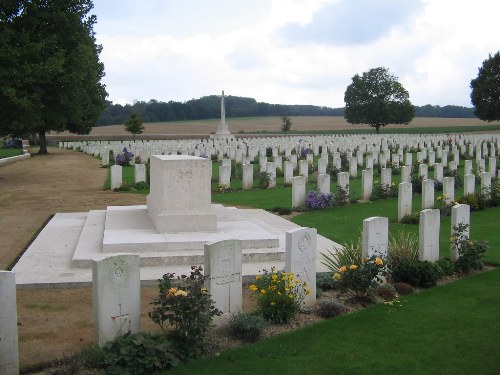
x=377, y=98
x=485, y=95
x=51, y=73
x=134, y=125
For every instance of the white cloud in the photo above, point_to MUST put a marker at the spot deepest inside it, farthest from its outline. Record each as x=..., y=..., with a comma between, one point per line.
x=166, y=51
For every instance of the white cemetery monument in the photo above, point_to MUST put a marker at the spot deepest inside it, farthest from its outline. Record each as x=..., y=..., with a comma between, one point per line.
x=222, y=131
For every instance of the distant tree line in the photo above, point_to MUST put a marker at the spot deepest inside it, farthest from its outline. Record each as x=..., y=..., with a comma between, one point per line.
x=208, y=107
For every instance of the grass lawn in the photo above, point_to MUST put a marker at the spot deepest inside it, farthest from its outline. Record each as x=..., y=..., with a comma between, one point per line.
x=9, y=152
x=452, y=329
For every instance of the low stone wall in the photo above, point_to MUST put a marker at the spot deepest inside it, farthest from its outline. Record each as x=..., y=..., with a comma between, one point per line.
x=13, y=159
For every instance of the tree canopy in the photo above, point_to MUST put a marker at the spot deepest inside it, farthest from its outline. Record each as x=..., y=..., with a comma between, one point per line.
x=377, y=98
x=134, y=125
x=485, y=95
x=51, y=73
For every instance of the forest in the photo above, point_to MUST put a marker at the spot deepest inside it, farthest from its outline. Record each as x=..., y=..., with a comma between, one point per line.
x=208, y=107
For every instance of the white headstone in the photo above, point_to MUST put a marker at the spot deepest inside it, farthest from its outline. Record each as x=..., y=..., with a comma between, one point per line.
x=116, y=294
x=404, y=200
x=116, y=177
x=298, y=191
x=460, y=214
x=448, y=189
x=247, y=183
x=300, y=258
x=9, y=350
x=375, y=236
x=271, y=172
x=366, y=184
x=288, y=173
x=139, y=173
x=427, y=194
x=429, y=224
x=324, y=183
x=405, y=173
x=438, y=172
x=223, y=268
x=469, y=184
x=304, y=168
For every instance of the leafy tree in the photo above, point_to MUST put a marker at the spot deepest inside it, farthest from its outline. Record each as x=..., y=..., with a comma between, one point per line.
x=51, y=73
x=134, y=125
x=377, y=98
x=286, y=123
x=485, y=95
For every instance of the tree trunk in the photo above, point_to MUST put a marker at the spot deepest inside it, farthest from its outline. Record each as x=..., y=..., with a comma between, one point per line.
x=43, y=142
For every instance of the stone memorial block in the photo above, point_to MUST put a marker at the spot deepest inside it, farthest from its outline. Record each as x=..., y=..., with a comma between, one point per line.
x=405, y=173
x=427, y=194
x=375, y=236
x=300, y=258
x=116, y=177
x=225, y=175
x=432, y=158
x=480, y=166
x=324, y=183
x=9, y=349
x=422, y=171
x=288, y=172
x=247, y=183
x=444, y=158
x=469, y=184
x=304, y=168
x=359, y=158
x=238, y=157
x=453, y=165
x=298, y=191
x=448, y=189
x=460, y=214
x=223, y=269
x=116, y=292
x=271, y=172
x=369, y=161
x=139, y=173
x=438, y=172
x=428, y=238
x=309, y=158
x=293, y=159
x=366, y=184
x=404, y=200
x=386, y=176
x=408, y=159
x=322, y=163
x=180, y=194
x=337, y=162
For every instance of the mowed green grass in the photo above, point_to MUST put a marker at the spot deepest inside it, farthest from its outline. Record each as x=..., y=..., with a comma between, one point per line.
x=452, y=329
x=9, y=152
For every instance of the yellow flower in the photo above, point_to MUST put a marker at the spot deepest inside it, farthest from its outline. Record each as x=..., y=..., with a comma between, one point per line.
x=181, y=293
x=279, y=293
x=258, y=277
x=273, y=303
x=263, y=291
x=172, y=291
x=343, y=269
x=253, y=288
x=290, y=296
x=379, y=262
x=439, y=198
x=337, y=276
x=204, y=291
x=353, y=267
x=274, y=277
x=308, y=291
x=453, y=239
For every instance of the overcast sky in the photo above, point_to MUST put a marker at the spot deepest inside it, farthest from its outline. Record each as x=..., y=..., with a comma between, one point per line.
x=292, y=51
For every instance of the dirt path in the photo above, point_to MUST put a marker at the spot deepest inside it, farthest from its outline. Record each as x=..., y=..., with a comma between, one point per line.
x=51, y=322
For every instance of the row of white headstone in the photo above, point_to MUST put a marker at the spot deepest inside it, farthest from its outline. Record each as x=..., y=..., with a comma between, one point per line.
x=116, y=279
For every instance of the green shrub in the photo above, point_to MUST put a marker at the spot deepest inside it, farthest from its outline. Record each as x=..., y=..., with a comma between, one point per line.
x=471, y=200
x=346, y=255
x=280, y=295
x=404, y=289
x=470, y=252
x=413, y=218
x=342, y=198
x=247, y=327
x=402, y=248
x=361, y=278
x=416, y=273
x=93, y=356
x=324, y=281
x=330, y=308
x=446, y=267
x=137, y=354
x=142, y=185
x=386, y=292
x=186, y=308
x=264, y=180
x=284, y=211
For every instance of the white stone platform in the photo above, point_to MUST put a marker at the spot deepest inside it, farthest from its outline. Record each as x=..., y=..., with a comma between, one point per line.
x=62, y=254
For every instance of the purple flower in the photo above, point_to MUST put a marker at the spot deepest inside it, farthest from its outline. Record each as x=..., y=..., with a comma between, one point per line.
x=316, y=200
